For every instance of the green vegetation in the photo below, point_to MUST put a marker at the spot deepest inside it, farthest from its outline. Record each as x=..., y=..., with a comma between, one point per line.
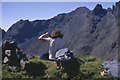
x=92, y=68
x=89, y=69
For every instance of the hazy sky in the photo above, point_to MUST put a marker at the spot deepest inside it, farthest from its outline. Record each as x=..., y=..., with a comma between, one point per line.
x=14, y=11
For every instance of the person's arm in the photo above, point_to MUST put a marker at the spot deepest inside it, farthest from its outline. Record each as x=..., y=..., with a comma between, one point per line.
x=44, y=37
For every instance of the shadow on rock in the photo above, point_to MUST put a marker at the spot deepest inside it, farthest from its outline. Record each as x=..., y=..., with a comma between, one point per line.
x=35, y=69
x=72, y=67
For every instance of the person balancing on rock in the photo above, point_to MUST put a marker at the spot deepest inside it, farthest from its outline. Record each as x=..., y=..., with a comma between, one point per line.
x=55, y=40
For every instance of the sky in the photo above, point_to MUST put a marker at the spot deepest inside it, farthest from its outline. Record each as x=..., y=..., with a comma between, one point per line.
x=14, y=11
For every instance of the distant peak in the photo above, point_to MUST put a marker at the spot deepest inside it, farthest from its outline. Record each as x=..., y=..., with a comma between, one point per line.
x=99, y=11
x=98, y=6
x=26, y=20
x=82, y=8
x=21, y=20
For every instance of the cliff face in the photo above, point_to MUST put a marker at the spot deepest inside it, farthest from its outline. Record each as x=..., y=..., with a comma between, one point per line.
x=2, y=33
x=85, y=31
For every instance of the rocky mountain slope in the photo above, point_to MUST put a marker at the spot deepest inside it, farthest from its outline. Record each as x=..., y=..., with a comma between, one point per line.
x=91, y=32
x=2, y=33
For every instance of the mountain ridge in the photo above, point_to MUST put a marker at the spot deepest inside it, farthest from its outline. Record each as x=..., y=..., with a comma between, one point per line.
x=89, y=32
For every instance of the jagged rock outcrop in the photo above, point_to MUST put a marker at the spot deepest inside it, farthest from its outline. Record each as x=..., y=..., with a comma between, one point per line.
x=99, y=11
x=2, y=33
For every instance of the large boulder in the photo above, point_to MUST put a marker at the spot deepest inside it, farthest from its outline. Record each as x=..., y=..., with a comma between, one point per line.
x=12, y=56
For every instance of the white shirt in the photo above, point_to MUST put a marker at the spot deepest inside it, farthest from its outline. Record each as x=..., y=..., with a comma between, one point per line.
x=54, y=45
